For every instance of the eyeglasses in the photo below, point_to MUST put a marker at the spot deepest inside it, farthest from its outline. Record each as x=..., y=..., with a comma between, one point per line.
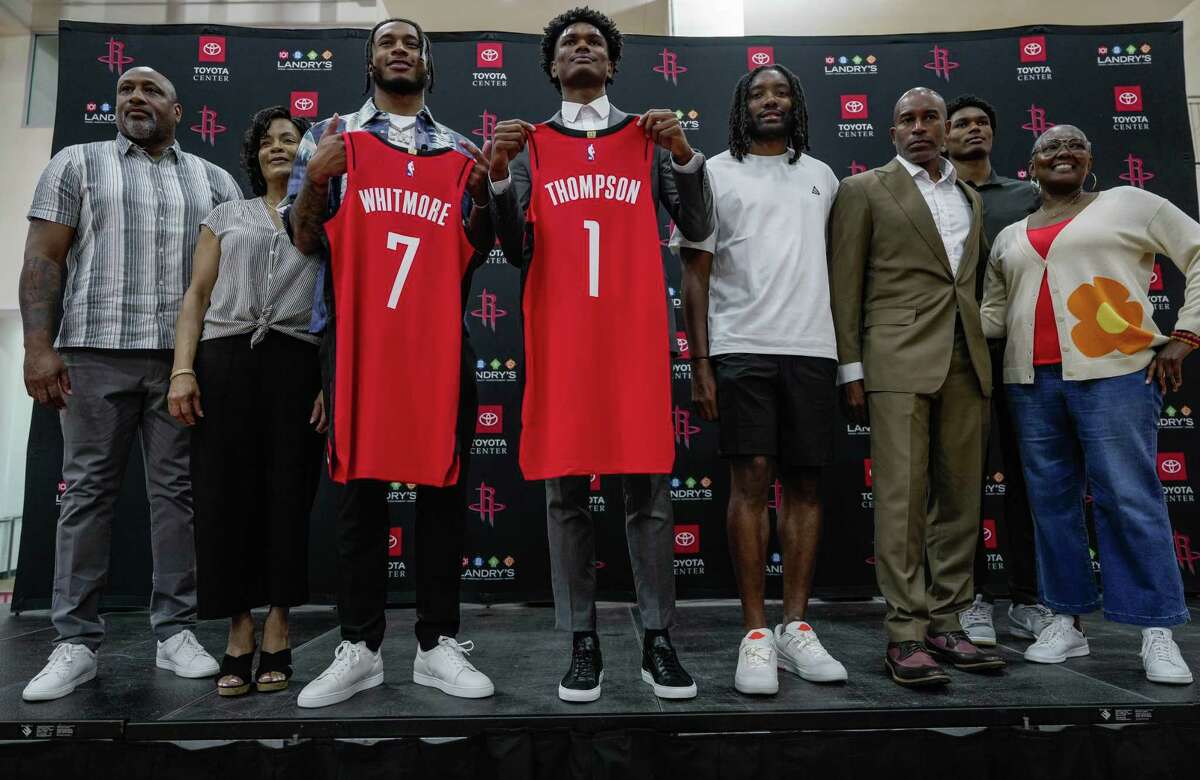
x=1055, y=145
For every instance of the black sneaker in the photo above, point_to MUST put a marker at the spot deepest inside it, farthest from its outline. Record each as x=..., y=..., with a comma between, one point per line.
x=662, y=670
x=582, y=680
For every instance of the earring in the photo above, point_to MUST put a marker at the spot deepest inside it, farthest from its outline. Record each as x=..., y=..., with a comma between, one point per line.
x=1095, y=182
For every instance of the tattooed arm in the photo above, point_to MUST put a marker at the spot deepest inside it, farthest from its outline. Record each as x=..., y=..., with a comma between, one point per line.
x=46, y=247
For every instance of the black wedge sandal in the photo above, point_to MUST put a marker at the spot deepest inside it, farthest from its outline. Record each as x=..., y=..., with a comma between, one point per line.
x=239, y=667
x=279, y=661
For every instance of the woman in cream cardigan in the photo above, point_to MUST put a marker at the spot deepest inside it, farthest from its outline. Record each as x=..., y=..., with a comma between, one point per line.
x=1087, y=368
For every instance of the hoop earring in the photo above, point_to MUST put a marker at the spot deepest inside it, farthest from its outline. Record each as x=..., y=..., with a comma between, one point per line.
x=1095, y=182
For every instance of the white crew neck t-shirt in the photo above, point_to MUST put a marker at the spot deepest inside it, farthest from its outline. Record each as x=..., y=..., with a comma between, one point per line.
x=769, y=288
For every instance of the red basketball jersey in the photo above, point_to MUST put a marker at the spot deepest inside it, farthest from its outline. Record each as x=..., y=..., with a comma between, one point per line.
x=398, y=255
x=598, y=384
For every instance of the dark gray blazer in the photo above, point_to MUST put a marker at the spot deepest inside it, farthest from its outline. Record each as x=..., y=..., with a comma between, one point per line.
x=686, y=197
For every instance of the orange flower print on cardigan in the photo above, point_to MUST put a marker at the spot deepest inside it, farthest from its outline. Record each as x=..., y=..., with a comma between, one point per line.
x=1108, y=320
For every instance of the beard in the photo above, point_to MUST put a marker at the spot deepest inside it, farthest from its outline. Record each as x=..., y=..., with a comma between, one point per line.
x=140, y=130
x=400, y=85
x=759, y=132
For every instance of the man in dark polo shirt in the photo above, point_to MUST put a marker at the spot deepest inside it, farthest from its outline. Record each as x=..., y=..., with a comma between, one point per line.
x=1005, y=201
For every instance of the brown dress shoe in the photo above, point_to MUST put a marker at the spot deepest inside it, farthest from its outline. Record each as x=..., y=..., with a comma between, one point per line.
x=955, y=648
x=909, y=664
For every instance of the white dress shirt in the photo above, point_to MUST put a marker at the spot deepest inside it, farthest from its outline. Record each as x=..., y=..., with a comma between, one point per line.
x=951, y=212
x=594, y=116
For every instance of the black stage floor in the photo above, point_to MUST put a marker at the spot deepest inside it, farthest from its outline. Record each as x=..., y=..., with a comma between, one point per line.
x=518, y=647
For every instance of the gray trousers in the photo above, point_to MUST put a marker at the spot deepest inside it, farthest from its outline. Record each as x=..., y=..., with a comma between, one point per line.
x=649, y=531
x=115, y=395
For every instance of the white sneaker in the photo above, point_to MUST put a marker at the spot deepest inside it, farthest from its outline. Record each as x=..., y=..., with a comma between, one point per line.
x=976, y=620
x=1058, y=641
x=1028, y=621
x=800, y=652
x=355, y=668
x=446, y=668
x=1162, y=659
x=185, y=656
x=757, y=671
x=69, y=665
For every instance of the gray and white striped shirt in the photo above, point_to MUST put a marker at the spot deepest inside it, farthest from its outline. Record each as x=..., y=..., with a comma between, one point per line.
x=264, y=282
x=136, y=220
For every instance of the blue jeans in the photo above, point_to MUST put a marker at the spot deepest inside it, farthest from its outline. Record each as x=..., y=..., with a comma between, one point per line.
x=1102, y=433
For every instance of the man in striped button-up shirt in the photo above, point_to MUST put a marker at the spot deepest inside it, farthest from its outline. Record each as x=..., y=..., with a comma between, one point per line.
x=120, y=218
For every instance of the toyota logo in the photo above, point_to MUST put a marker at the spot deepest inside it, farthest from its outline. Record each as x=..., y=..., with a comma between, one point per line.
x=489, y=55
x=1154, y=277
x=392, y=541
x=212, y=48
x=1127, y=98
x=1033, y=49
x=987, y=534
x=1171, y=466
x=760, y=58
x=685, y=538
x=855, y=106
x=489, y=418
x=303, y=104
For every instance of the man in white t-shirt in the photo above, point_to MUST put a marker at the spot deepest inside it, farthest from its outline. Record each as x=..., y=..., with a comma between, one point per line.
x=764, y=359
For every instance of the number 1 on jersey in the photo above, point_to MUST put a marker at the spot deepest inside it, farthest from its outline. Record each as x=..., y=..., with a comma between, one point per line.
x=593, y=230
x=410, y=252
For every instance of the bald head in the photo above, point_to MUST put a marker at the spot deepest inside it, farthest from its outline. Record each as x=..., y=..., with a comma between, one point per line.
x=148, y=108
x=1061, y=133
x=919, y=126
x=146, y=73
x=918, y=94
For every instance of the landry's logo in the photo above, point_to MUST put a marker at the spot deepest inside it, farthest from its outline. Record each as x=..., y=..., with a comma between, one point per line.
x=401, y=493
x=210, y=53
x=941, y=64
x=688, y=120
x=1135, y=173
x=304, y=104
x=496, y=370
x=307, y=61
x=851, y=65
x=59, y=491
x=115, y=58
x=757, y=56
x=1123, y=54
x=994, y=485
x=492, y=567
x=1177, y=418
x=488, y=312
x=691, y=489
x=487, y=127
x=855, y=117
x=208, y=128
x=669, y=66
x=486, y=504
x=684, y=430
x=489, y=65
x=1037, y=123
x=1129, y=106
x=98, y=113
x=1032, y=50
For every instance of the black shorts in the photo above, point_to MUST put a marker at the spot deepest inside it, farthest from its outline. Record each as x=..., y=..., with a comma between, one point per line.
x=782, y=406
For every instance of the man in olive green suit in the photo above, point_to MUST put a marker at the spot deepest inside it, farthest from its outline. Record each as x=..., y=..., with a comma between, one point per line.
x=905, y=246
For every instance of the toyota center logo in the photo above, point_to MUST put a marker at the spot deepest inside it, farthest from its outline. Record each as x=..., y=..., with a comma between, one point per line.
x=1172, y=466
x=490, y=419
x=489, y=55
x=854, y=106
x=1033, y=48
x=395, y=542
x=212, y=48
x=687, y=539
x=304, y=104
x=1128, y=98
x=757, y=56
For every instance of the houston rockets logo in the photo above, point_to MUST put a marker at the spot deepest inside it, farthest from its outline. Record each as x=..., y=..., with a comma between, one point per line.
x=857, y=167
x=487, y=126
x=488, y=312
x=684, y=430
x=487, y=506
x=941, y=64
x=208, y=128
x=670, y=68
x=1135, y=172
x=115, y=58
x=1037, y=123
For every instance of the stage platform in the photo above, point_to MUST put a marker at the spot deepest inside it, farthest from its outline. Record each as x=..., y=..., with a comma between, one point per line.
x=517, y=646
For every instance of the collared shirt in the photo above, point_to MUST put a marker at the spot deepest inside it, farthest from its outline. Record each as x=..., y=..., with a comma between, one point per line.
x=264, y=282
x=136, y=221
x=427, y=134
x=1005, y=201
x=590, y=116
x=950, y=209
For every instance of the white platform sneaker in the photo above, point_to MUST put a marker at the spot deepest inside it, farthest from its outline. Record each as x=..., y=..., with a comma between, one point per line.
x=1059, y=641
x=446, y=668
x=355, y=668
x=757, y=667
x=69, y=666
x=1162, y=659
x=184, y=655
x=801, y=653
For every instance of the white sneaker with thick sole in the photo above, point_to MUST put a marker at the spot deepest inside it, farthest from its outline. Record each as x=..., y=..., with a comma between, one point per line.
x=757, y=668
x=184, y=655
x=976, y=620
x=446, y=668
x=1059, y=641
x=801, y=653
x=355, y=668
x=1162, y=659
x=69, y=666
x=1028, y=621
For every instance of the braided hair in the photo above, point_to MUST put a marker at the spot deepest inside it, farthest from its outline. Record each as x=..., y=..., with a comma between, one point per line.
x=426, y=50
x=554, y=30
x=741, y=123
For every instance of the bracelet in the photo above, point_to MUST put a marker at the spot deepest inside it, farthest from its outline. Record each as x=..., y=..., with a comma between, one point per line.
x=1187, y=337
x=483, y=205
x=181, y=372
x=700, y=357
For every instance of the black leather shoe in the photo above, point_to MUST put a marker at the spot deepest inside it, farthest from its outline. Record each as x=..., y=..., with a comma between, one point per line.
x=661, y=669
x=955, y=648
x=582, y=680
x=910, y=664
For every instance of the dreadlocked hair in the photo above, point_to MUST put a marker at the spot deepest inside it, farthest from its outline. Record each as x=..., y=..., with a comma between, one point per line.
x=741, y=123
x=556, y=26
x=426, y=50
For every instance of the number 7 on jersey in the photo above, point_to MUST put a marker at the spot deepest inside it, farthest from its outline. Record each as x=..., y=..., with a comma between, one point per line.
x=410, y=253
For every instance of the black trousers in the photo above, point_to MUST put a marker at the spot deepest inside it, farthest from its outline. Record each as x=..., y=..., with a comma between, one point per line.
x=1016, y=540
x=255, y=464
x=362, y=533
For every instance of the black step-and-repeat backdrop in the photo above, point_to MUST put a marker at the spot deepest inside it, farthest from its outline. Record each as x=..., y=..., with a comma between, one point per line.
x=1123, y=85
